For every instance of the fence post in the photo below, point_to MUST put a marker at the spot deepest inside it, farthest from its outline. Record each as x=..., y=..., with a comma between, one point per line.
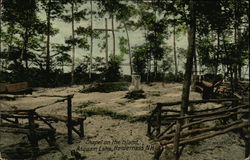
x=234, y=104
x=69, y=124
x=158, y=118
x=81, y=120
x=32, y=134
x=177, y=140
x=247, y=139
x=149, y=129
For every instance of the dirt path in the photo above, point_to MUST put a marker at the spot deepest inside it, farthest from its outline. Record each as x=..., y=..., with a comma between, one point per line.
x=115, y=139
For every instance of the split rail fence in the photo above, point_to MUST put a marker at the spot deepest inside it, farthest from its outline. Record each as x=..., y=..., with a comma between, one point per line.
x=170, y=130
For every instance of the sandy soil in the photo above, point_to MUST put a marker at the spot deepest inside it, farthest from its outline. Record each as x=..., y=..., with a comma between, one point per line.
x=108, y=138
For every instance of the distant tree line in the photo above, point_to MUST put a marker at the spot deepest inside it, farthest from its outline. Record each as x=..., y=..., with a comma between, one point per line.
x=218, y=40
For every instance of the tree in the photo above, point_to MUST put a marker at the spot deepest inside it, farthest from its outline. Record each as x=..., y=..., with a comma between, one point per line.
x=21, y=18
x=189, y=59
x=61, y=55
x=74, y=16
x=0, y=32
x=140, y=59
x=155, y=33
x=125, y=15
x=53, y=9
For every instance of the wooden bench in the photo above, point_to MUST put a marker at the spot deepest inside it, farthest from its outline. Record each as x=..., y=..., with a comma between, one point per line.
x=15, y=88
x=31, y=129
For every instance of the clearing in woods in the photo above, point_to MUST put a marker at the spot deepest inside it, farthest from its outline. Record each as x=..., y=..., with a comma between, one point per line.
x=116, y=126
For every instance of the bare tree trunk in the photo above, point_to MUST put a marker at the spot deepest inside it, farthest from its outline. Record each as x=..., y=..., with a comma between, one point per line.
x=155, y=69
x=240, y=53
x=195, y=64
x=149, y=68
x=48, y=37
x=24, y=49
x=218, y=51
x=73, y=46
x=129, y=50
x=189, y=60
x=148, y=60
x=113, y=33
x=91, y=39
x=106, y=36
x=175, y=56
x=1, y=35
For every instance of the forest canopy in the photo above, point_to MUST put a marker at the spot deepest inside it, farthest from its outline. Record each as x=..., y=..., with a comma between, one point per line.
x=29, y=53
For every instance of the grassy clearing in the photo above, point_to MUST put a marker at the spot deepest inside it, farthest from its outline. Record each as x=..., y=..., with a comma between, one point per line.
x=137, y=94
x=112, y=114
x=86, y=104
x=106, y=87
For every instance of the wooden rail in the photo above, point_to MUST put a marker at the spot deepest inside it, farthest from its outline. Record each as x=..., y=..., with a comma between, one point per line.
x=170, y=130
x=160, y=115
x=32, y=116
x=32, y=130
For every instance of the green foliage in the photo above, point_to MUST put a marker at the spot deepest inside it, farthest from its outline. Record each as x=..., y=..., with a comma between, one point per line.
x=113, y=72
x=35, y=76
x=123, y=45
x=140, y=59
x=105, y=87
x=79, y=108
x=105, y=112
x=112, y=114
x=122, y=103
x=171, y=77
x=136, y=94
x=221, y=40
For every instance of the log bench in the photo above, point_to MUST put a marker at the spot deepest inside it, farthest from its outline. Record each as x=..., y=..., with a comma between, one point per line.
x=75, y=122
x=33, y=132
x=15, y=88
x=31, y=115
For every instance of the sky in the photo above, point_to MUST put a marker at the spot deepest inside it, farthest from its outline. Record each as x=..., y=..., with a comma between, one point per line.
x=136, y=38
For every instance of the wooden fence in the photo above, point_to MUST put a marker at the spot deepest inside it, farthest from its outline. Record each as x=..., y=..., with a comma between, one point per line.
x=169, y=129
x=33, y=131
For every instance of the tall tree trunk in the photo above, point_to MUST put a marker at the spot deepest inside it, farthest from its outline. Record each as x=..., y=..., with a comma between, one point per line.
x=1, y=35
x=113, y=33
x=240, y=52
x=91, y=39
x=149, y=67
x=106, y=37
x=62, y=67
x=155, y=69
x=189, y=60
x=24, y=49
x=218, y=47
x=148, y=61
x=48, y=37
x=175, y=56
x=236, y=38
x=129, y=50
x=195, y=63
x=235, y=65
x=73, y=46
